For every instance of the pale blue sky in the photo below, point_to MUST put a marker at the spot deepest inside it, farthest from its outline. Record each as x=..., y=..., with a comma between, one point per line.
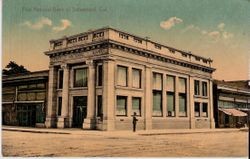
x=219, y=29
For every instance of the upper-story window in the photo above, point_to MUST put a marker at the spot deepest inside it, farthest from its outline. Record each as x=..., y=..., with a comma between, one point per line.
x=158, y=46
x=123, y=36
x=138, y=40
x=60, y=79
x=98, y=35
x=81, y=77
x=82, y=38
x=182, y=97
x=74, y=40
x=99, y=75
x=157, y=81
x=196, y=87
x=157, y=94
x=122, y=77
x=136, y=82
x=204, y=88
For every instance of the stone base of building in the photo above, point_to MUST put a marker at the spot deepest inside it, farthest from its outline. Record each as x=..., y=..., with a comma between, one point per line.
x=89, y=124
x=50, y=122
x=62, y=122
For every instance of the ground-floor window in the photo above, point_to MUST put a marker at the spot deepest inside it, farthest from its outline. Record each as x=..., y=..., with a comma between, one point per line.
x=59, y=106
x=204, y=110
x=121, y=105
x=99, y=106
x=136, y=106
x=170, y=104
x=196, y=109
x=157, y=103
x=182, y=105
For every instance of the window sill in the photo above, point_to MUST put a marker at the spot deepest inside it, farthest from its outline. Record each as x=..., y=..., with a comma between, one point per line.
x=78, y=88
x=128, y=88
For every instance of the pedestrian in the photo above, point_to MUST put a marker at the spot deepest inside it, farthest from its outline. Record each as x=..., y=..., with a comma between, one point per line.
x=134, y=122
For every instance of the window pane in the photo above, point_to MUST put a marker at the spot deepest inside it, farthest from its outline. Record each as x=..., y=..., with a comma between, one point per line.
x=170, y=83
x=157, y=103
x=136, y=78
x=182, y=105
x=121, y=108
x=81, y=77
x=196, y=87
x=204, y=88
x=204, y=110
x=170, y=104
x=121, y=76
x=182, y=85
x=136, y=106
x=197, y=109
x=157, y=81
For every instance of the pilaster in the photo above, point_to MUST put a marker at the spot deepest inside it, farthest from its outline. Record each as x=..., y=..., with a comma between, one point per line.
x=211, y=106
x=148, y=98
x=191, y=102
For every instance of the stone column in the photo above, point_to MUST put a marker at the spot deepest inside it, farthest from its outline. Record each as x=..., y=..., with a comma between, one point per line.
x=211, y=105
x=51, y=106
x=148, y=98
x=164, y=95
x=191, y=102
x=89, y=122
x=63, y=120
x=109, y=94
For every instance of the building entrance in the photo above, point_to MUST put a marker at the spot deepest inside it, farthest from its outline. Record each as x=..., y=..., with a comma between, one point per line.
x=79, y=110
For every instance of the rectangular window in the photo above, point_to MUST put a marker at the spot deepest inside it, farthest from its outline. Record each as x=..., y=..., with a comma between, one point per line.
x=197, y=109
x=196, y=87
x=157, y=103
x=59, y=110
x=157, y=81
x=60, y=79
x=182, y=85
x=121, y=108
x=170, y=104
x=122, y=79
x=136, y=106
x=136, y=78
x=81, y=77
x=170, y=83
x=99, y=106
x=204, y=110
x=99, y=74
x=182, y=105
x=204, y=88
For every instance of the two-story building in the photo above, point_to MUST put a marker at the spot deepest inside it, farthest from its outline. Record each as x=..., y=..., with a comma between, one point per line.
x=99, y=78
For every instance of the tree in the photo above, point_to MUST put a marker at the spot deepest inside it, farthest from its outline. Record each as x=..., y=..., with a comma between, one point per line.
x=12, y=68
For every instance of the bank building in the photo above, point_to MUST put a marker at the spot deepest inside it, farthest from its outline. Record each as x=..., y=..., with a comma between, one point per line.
x=99, y=78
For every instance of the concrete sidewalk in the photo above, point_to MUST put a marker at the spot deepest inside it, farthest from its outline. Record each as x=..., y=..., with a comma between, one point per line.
x=117, y=133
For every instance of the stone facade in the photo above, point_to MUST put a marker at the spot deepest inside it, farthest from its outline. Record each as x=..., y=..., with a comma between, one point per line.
x=99, y=78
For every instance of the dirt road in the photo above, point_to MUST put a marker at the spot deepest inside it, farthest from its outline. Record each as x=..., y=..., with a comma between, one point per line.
x=220, y=144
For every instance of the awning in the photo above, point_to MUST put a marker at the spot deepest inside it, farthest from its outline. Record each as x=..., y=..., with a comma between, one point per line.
x=233, y=112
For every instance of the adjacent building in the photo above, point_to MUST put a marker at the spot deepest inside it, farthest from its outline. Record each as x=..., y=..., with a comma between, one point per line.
x=24, y=99
x=99, y=78
x=231, y=103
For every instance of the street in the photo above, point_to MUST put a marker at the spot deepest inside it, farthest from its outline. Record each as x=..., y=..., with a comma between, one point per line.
x=125, y=144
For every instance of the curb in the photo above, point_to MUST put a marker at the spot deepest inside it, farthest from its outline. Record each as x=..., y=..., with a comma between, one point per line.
x=181, y=133
x=35, y=131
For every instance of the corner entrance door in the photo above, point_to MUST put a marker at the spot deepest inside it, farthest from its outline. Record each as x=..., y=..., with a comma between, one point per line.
x=79, y=110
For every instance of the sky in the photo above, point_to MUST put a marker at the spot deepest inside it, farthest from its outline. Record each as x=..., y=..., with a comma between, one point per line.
x=219, y=29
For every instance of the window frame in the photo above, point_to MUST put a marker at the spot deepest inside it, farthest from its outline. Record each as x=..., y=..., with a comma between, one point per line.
x=117, y=76
x=140, y=100
x=140, y=77
x=126, y=105
x=74, y=76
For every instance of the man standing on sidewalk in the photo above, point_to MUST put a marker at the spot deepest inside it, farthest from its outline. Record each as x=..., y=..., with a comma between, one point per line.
x=134, y=122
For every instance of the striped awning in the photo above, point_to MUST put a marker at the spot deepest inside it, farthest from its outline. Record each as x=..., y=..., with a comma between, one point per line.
x=233, y=112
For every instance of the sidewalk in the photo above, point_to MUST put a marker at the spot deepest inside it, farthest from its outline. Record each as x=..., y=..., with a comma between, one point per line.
x=118, y=132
